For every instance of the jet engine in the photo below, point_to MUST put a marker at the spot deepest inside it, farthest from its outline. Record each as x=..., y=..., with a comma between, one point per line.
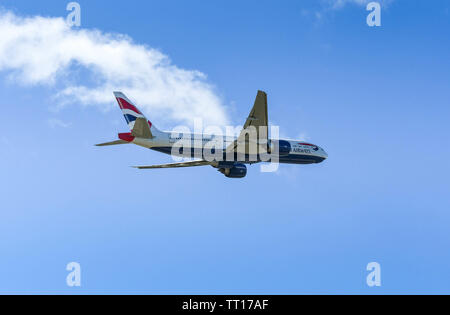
x=237, y=171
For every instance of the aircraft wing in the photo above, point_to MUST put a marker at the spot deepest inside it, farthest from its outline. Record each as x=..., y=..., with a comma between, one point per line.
x=175, y=165
x=111, y=143
x=257, y=122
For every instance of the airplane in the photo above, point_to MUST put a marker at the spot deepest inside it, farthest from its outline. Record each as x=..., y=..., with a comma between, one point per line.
x=231, y=155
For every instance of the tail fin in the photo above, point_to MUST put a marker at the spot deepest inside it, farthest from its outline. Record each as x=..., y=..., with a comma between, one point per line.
x=139, y=125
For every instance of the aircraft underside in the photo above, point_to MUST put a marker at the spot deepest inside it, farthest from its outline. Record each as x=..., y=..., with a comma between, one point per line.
x=286, y=159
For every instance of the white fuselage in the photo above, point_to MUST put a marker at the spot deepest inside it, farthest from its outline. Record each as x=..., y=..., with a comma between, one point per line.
x=191, y=145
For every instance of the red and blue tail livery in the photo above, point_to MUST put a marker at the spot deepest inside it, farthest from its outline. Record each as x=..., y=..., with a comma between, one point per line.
x=129, y=110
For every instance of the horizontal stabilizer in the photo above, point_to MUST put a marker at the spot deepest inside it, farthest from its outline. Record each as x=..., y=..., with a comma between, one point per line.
x=111, y=143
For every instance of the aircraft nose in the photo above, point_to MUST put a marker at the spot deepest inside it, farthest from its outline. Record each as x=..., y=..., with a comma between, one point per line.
x=324, y=154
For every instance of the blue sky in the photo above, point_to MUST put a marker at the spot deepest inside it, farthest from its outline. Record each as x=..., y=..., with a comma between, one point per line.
x=377, y=99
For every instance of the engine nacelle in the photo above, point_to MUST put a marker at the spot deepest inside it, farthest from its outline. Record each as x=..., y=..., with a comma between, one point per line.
x=237, y=171
x=281, y=147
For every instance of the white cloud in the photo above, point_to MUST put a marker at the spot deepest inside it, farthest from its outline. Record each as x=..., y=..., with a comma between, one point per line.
x=337, y=4
x=341, y=3
x=324, y=7
x=45, y=51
